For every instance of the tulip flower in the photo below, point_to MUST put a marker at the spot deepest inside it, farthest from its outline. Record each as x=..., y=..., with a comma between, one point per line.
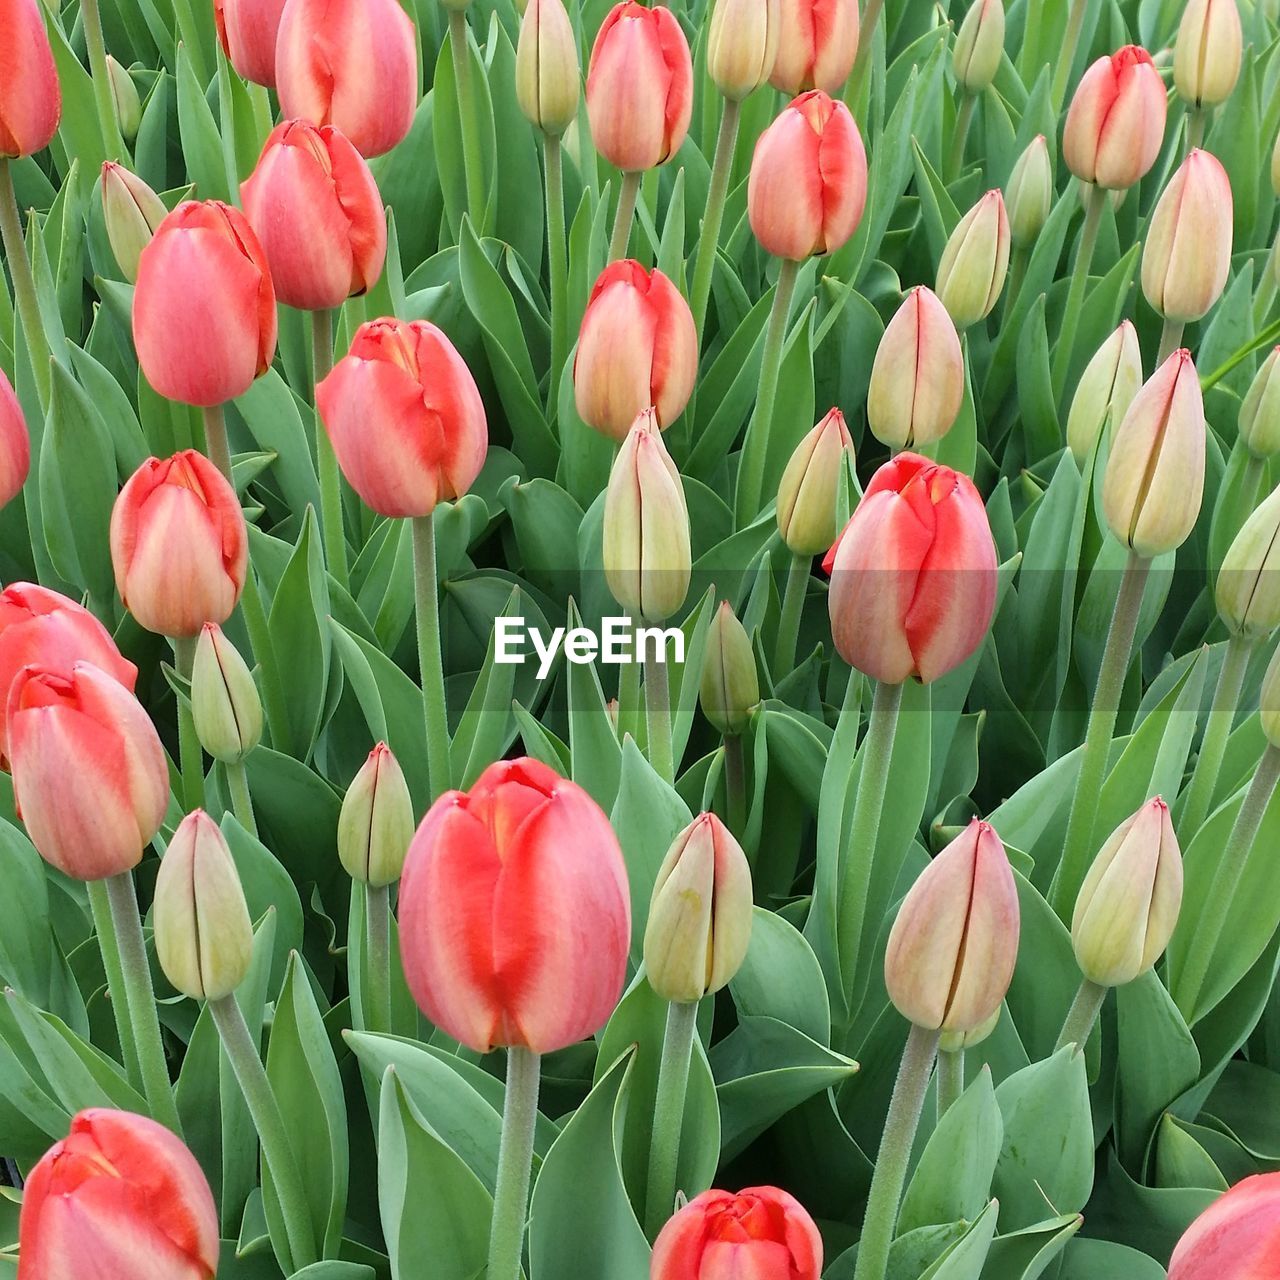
x=1248, y=587
x=125, y=99
x=15, y=443
x=224, y=699
x=405, y=418
x=1259, y=422
x=204, y=310
x=807, y=493
x=89, y=773
x=637, y=348
x=979, y=46
x=375, y=824
x=30, y=97
x=548, y=72
x=808, y=181
x=1207, y=52
x=917, y=377
x=761, y=1231
x=352, y=64
x=1154, y=478
x=913, y=575
x=317, y=213
x=742, y=45
x=1029, y=193
x=247, y=31
x=1235, y=1238
x=1115, y=124
x=974, y=262
x=179, y=545
x=1105, y=391
x=133, y=214
x=730, y=687
x=120, y=1196
x=817, y=45
x=204, y=938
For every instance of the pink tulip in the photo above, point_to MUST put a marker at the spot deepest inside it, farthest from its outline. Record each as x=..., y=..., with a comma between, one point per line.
x=1235, y=1238
x=15, y=444
x=30, y=97
x=817, y=45
x=248, y=30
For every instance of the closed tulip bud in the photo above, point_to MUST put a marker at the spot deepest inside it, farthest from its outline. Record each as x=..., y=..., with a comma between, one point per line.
x=122, y=1196
x=742, y=45
x=1106, y=389
x=1206, y=55
x=1269, y=701
x=700, y=914
x=730, y=688
x=179, y=545
x=810, y=486
x=317, y=213
x=30, y=98
x=405, y=418
x=954, y=944
x=1029, y=194
x=1129, y=902
x=1248, y=587
x=515, y=913
x=124, y=96
x=638, y=347
x=1237, y=1237
x=39, y=627
x=89, y=773
x=639, y=87
x=1259, y=422
x=1115, y=124
x=204, y=937
x=808, y=182
x=913, y=575
x=1154, y=480
x=15, y=443
x=760, y=1232
x=817, y=45
x=979, y=45
x=974, y=262
x=1188, y=250
x=224, y=698
x=375, y=824
x=352, y=64
x=204, y=310
x=917, y=378
x=133, y=214
x=958, y=1041
x=647, y=558
x=248, y=31
x=548, y=72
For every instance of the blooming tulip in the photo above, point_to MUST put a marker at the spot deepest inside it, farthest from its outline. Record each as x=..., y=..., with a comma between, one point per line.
x=548, y=71
x=247, y=30
x=179, y=545
x=817, y=45
x=119, y=1196
x=742, y=45
x=810, y=485
x=974, y=262
x=1029, y=193
x=979, y=45
x=730, y=687
x=1154, y=479
x=637, y=348
x=1106, y=389
x=30, y=98
x=1259, y=422
x=954, y=944
x=515, y=915
x=375, y=824
x=917, y=378
x=1207, y=52
x=89, y=773
x=1115, y=124
x=808, y=181
x=1188, y=250
x=1235, y=1238
x=133, y=214
x=761, y=1232
x=639, y=87
x=224, y=700
x=1248, y=587
x=352, y=64
x=913, y=575
x=15, y=443
x=405, y=418
x=204, y=310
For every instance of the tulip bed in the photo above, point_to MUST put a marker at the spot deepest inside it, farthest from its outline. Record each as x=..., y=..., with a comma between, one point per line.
x=486, y=779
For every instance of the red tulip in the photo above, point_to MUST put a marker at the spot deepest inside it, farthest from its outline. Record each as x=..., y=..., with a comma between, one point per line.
x=30, y=98
x=637, y=348
x=639, y=87
x=817, y=45
x=515, y=916
x=204, y=311
x=352, y=64
x=1235, y=1238
x=405, y=418
x=317, y=212
x=119, y=1197
x=89, y=773
x=762, y=1233
x=808, y=181
x=179, y=545
x=248, y=30
x=15, y=444
x=39, y=627
x=913, y=575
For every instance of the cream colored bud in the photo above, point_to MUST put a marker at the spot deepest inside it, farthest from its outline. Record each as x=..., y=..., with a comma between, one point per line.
x=1207, y=53
x=1029, y=193
x=810, y=485
x=730, y=688
x=1248, y=587
x=975, y=261
x=224, y=699
x=1105, y=391
x=375, y=824
x=742, y=45
x=979, y=45
x=132, y=212
x=1259, y=422
x=548, y=69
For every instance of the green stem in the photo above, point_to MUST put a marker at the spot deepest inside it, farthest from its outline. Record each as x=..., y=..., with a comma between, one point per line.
x=1067, y=54
x=24, y=286
x=472, y=159
x=1095, y=198
x=668, y=1113
x=960, y=136
x=1213, y=918
x=894, y=1155
x=273, y=699
x=657, y=700
x=1077, y=848
x=140, y=998
x=241, y=799
x=1170, y=339
x=335, y=541
x=792, y=607
x=1217, y=729
x=1082, y=1015
x=190, y=753
x=1197, y=117
x=950, y=1079
x=430, y=659
x=515, y=1165
x=108, y=122
x=866, y=39
x=735, y=783
x=629, y=697
x=215, y=440
x=104, y=926
x=557, y=267
x=627, y=194
x=378, y=932
x=709, y=241
x=277, y=1150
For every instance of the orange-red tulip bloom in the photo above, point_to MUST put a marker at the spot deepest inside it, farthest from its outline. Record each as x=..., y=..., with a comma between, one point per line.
x=247, y=30
x=30, y=98
x=15, y=444
x=1236, y=1237
x=817, y=45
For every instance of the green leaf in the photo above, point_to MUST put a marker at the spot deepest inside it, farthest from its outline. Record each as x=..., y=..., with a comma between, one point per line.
x=201, y=140
x=1105, y=1260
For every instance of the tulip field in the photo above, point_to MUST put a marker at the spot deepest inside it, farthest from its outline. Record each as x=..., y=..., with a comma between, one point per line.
x=639, y=642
